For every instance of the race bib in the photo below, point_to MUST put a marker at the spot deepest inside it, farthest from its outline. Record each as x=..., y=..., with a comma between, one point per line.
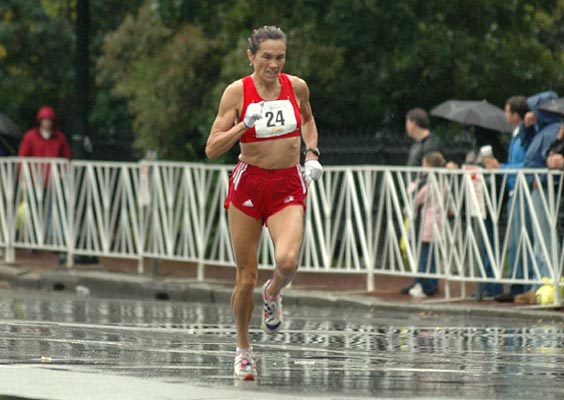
x=278, y=118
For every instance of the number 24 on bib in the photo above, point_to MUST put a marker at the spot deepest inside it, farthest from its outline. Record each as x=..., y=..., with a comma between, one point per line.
x=277, y=119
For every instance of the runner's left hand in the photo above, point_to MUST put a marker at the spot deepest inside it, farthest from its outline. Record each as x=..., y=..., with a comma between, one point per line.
x=313, y=170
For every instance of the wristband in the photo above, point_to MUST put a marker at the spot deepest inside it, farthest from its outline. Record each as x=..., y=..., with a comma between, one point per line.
x=313, y=150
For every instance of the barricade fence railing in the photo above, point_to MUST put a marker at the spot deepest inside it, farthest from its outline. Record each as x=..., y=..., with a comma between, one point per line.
x=481, y=226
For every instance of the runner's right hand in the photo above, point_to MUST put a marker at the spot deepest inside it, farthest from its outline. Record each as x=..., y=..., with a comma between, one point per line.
x=253, y=114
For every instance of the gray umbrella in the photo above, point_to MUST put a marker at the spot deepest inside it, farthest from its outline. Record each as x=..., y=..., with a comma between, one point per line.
x=476, y=113
x=8, y=128
x=554, y=107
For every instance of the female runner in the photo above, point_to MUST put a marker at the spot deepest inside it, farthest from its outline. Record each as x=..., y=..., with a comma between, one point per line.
x=265, y=112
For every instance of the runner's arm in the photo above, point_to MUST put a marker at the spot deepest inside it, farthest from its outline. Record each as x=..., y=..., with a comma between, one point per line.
x=225, y=132
x=309, y=129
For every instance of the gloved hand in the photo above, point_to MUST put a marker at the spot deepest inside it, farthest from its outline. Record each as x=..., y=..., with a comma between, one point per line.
x=253, y=114
x=312, y=170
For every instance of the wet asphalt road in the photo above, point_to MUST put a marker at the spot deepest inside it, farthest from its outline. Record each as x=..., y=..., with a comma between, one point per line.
x=69, y=347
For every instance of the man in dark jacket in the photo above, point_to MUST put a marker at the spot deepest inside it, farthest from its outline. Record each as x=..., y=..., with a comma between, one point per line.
x=417, y=128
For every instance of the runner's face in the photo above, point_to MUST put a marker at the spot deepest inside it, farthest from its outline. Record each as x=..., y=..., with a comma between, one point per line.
x=269, y=60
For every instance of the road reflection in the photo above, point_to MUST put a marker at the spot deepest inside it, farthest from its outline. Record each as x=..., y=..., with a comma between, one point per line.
x=320, y=351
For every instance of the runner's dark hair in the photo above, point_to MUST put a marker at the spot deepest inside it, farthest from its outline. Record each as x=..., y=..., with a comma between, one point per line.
x=264, y=33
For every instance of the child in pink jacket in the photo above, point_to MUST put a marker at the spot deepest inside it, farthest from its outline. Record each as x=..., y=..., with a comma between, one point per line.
x=429, y=205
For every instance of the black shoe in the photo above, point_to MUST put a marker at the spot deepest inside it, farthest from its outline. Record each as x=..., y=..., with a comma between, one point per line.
x=91, y=260
x=405, y=290
x=505, y=298
x=81, y=260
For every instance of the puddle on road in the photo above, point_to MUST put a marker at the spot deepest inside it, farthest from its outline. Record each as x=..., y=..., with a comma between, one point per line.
x=321, y=351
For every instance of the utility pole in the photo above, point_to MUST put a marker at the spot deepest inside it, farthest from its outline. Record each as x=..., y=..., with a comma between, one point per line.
x=81, y=79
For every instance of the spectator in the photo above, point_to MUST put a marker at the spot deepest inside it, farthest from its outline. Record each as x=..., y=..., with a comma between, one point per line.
x=478, y=212
x=555, y=158
x=428, y=204
x=515, y=110
x=417, y=128
x=45, y=140
x=486, y=137
x=6, y=149
x=544, y=135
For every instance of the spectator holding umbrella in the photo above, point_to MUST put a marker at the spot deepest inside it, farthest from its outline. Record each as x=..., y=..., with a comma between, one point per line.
x=485, y=120
x=555, y=158
x=4, y=148
x=9, y=133
x=515, y=110
x=546, y=131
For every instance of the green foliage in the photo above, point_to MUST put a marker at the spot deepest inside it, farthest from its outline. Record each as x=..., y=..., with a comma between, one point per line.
x=163, y=75
x=161, y=66
x=35, y=64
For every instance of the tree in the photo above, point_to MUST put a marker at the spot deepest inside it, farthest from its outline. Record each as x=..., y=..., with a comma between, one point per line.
x=164, y=75
x=160, y=68
x=35, y=64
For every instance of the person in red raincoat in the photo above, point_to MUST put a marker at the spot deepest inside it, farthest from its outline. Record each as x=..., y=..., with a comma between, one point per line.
x=45, y=140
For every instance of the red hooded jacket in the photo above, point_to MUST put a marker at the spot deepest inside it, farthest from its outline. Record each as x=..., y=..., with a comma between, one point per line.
x=34, y=145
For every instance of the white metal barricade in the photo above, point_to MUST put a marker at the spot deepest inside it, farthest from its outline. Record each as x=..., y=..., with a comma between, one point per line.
x=360, y=219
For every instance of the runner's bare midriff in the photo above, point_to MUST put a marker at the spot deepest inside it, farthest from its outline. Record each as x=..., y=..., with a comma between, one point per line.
x=272, y=154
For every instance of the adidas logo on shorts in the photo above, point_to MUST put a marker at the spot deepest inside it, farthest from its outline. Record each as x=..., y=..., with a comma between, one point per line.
x=248, y=203
x=289, y=199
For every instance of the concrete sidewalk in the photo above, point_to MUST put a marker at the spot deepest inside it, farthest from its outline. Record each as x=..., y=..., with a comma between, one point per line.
x=177, y=282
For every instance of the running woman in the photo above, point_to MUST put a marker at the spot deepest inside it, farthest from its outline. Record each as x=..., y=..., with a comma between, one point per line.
x=265, y=112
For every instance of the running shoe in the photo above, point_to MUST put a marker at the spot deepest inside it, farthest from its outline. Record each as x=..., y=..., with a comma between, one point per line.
x=272, y=311
x=406, y=289
x=245, y=365
x=417, y=291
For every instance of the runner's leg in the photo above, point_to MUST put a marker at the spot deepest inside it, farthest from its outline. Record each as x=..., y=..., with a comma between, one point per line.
x=286, y=229
x=245, y=236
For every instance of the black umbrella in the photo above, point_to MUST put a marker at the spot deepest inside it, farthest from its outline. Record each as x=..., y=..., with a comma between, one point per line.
x=476, y=113
x=554, y=107
x=8, y=128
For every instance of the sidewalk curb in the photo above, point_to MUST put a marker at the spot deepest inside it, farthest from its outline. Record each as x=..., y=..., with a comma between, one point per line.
x=116, y=285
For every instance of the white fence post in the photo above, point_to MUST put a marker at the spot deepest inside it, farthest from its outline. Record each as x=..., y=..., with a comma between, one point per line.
x=9, y=172
x=70, y=231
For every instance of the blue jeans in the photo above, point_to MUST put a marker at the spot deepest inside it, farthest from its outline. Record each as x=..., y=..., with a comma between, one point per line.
x=543, y=235
x=430, y=285
x=516, y=265
x=489, y=289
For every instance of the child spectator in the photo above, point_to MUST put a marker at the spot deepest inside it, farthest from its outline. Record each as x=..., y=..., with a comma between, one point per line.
x=429, y=208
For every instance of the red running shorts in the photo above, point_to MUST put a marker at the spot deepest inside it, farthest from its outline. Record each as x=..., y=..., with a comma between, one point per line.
x=261, y=193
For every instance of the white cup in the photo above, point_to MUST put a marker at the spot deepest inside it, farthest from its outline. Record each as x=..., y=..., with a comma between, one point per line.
x=486, y=151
